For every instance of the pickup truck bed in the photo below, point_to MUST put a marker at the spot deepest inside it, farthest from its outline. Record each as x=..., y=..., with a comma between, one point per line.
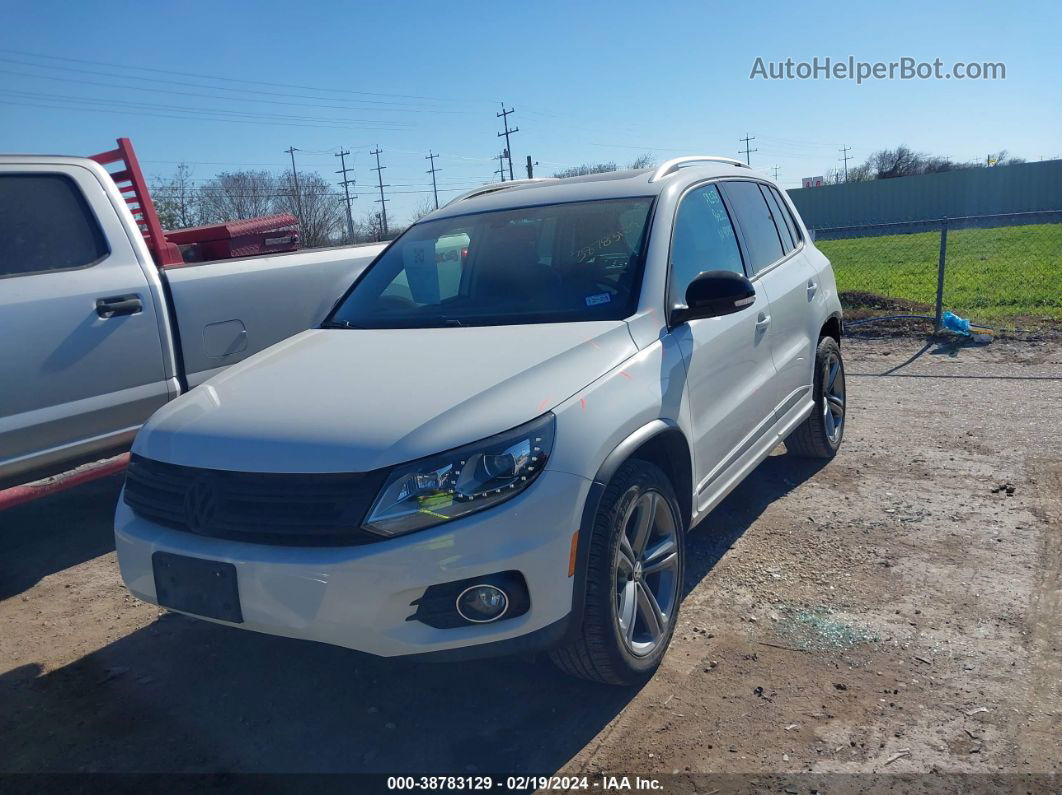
x=94, y=337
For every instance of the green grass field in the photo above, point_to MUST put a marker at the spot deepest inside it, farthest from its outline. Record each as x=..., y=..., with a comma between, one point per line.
x=1006, y=273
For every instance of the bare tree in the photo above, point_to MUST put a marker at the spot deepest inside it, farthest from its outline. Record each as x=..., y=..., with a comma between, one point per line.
x=319, y=208
x=1003, y=158
x=176, y=200
x=373, y=226
x=238, y=194
x=642, y=161
x=904, y=162
x=422, y=209
x=586, y=168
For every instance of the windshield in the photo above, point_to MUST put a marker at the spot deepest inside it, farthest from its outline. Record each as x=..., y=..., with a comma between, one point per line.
x=549, y=264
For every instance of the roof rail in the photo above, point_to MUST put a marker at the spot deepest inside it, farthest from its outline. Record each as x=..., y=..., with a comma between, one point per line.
x=493, y=187
x=671, y=166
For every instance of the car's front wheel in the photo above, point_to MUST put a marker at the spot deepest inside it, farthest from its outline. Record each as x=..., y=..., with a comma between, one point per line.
x=633, y=580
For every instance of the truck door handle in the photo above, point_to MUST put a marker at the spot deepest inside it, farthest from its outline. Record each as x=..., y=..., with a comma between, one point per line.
x=813, y=288
x=119, y=305
x=763, y=321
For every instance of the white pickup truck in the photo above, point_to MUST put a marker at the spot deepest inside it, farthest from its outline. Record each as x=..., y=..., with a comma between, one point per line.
x=94, y=336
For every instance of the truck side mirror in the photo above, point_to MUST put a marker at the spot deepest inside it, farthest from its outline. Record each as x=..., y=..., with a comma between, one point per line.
x=712, y=294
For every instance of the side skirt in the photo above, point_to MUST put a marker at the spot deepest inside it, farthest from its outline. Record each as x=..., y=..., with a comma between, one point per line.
x=717, y=490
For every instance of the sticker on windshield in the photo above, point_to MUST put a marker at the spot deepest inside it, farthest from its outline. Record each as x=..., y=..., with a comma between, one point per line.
x=600, y=298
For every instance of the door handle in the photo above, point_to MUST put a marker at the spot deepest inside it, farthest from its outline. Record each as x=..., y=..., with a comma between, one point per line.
x=813, y=288
x=763, y=321
x=119, y=305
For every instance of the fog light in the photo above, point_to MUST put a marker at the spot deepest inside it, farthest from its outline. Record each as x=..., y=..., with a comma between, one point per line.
x=481, y=604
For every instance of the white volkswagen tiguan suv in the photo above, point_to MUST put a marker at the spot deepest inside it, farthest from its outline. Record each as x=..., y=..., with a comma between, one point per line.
x=499, y=437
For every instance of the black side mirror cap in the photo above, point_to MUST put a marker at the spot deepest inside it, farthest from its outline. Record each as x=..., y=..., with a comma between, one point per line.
x=713, y=294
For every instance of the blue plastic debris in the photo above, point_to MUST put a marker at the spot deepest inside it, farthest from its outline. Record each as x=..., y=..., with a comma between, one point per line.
x=952, y=322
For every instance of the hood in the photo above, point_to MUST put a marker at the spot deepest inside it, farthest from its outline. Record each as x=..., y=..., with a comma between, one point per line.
x=353, y=400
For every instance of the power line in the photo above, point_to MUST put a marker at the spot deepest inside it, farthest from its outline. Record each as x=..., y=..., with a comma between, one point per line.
x=346, y=183
x=775, y=173
x=504, y=116
x=501, y=166
x=240, y=92
x=376, y=124
x=383, y=202
x=844, y=150
x=182, y=117
x=291, y=150
x=432, y=170
x=200, y=75
x=748, y=151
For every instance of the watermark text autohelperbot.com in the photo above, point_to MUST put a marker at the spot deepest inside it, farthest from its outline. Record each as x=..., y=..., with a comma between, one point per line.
x=905, y=68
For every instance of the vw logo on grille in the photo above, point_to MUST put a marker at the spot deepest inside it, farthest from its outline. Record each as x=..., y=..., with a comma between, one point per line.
x=200, y=505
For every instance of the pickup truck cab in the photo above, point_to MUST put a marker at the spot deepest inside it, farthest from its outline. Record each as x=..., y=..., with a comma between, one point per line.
x=507, y=455
x=94, y=337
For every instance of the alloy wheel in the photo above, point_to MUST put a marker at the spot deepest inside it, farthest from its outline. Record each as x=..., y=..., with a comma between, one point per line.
x=833, y=398
x=646, y=573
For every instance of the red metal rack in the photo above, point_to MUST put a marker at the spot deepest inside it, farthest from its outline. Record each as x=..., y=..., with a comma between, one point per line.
x=131, y=183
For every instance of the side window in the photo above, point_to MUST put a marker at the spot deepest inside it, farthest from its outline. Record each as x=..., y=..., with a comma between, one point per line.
x=757, y=226
x=45, y=225
x=787, y=216
x=704, y=240
x=779, y=220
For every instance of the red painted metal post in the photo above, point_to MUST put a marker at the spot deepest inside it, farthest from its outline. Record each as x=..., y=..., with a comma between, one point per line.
x=16, y=495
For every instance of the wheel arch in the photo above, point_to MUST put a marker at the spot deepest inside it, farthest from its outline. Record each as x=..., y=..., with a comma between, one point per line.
x=660, y=442
x=833, y=327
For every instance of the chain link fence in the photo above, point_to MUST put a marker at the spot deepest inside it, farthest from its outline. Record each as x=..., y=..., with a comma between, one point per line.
x=999, y=271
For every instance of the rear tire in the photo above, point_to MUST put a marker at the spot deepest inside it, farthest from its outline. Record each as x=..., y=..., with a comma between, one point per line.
x=820, y=435
x=634, y=580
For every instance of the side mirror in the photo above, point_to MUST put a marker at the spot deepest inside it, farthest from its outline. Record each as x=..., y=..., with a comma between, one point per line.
x=712, y=294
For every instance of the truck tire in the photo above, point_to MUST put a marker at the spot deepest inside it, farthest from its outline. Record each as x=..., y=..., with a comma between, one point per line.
x=634, y=580
x=820, y=435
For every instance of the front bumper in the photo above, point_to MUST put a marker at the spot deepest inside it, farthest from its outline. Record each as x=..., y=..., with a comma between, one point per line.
x=359, y=597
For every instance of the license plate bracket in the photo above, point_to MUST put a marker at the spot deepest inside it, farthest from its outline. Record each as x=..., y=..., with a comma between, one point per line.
x=198, y=586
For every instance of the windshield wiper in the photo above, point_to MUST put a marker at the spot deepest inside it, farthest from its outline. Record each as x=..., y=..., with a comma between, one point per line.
x=338, y=324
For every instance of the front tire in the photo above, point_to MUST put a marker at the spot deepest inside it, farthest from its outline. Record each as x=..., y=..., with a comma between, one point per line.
x=820, y=435
x=634, y=577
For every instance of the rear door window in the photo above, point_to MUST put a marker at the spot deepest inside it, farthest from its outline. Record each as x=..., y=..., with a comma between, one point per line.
x=779, y=220
x=46, y=225
x=756, y=222
x=787, y=216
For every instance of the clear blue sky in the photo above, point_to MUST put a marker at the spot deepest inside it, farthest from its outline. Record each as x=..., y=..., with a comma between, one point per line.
x=590, y=81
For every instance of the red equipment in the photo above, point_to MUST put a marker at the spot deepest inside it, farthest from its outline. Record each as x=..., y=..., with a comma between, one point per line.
x=245, y=238
x=266, y=235
x=139, y=201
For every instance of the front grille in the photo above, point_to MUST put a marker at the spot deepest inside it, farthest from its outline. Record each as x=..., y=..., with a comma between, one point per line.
x=265, y=508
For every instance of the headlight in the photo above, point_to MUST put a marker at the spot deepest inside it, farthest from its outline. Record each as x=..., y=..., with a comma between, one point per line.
x=462, y=481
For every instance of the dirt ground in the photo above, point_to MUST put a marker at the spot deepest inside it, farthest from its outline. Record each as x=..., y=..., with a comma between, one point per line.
x=895, y=611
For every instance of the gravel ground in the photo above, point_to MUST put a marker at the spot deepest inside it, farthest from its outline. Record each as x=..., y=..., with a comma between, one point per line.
x=895, y=611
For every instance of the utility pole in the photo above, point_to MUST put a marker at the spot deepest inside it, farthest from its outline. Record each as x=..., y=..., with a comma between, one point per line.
x=383, y=202
x=530, y=171
x=432, y=170
x=746, y=150
x=501, y=166
x=776, y=173
x=844, y=150
x=291, y=150
x=504, y=116
x=346, y=183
